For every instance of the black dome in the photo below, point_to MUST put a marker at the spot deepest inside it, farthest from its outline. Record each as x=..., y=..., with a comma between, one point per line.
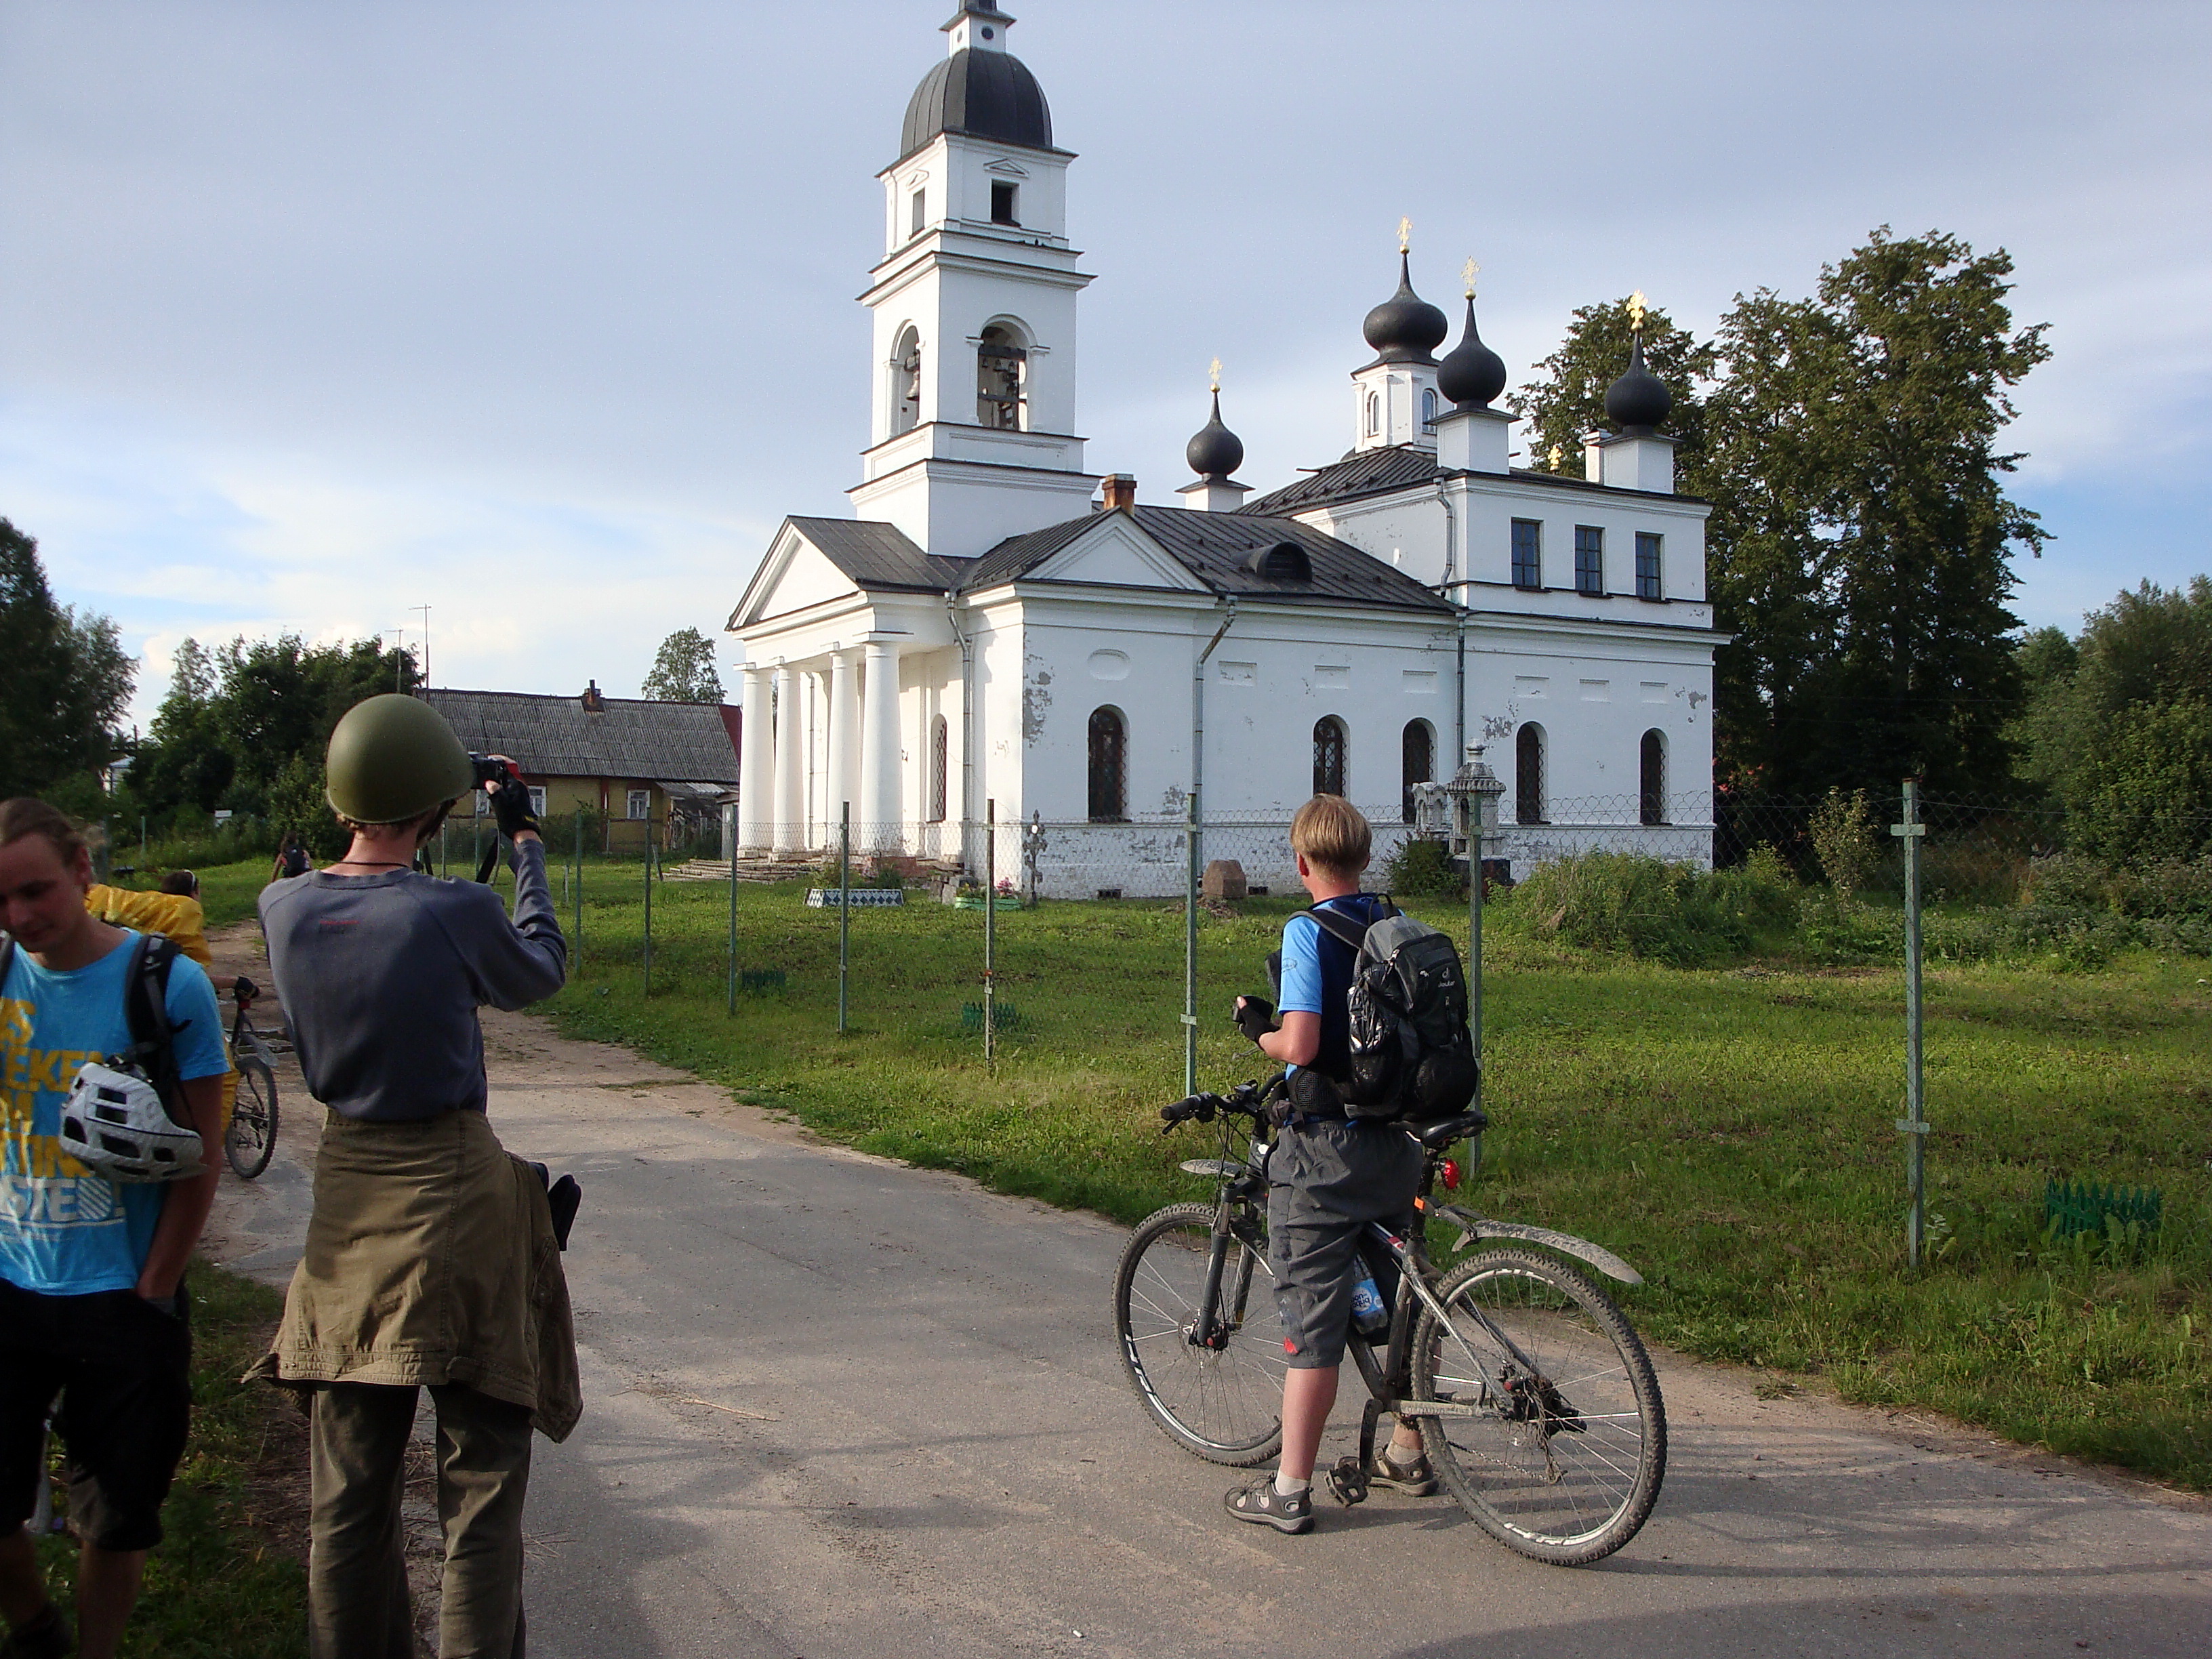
x=1471, y=373
x=1405, y=328
x=1639, y=399
x=986, y=95
x=1215, y=452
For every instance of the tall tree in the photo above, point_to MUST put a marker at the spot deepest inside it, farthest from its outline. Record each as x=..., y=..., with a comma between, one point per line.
x=684, y=670
x=65, y=680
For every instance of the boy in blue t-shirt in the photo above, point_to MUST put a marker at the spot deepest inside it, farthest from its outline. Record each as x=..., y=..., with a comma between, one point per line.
x=1329, y=1175
x=91, y=1271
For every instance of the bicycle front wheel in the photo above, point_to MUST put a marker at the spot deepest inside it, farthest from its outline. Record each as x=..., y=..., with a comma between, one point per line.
x=251, y=1138
x=1216, y=1393
x=1561, y=1455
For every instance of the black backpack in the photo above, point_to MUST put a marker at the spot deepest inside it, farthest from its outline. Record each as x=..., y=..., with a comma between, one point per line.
x=1412, y=1059
x=146, y=1006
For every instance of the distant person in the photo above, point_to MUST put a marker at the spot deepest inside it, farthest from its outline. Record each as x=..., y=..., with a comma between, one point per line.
x=1330, y=1173
x=173, y=911
x=431, y=1256
x=183, y=883
x=94, y=1239
x=292, y=860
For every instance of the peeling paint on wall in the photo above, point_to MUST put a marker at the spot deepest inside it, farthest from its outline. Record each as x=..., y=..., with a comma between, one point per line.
x=1498, y=726
x=1036, y=696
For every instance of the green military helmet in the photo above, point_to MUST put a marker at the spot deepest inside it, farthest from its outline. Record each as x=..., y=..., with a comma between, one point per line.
x=392, y=757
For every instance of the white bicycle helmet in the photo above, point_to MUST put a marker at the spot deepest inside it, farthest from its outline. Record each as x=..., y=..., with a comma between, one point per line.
x=114, y=1121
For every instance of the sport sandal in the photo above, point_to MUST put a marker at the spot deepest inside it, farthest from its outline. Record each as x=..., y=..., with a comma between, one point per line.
x=1260, y=1502
x=1415, y=1478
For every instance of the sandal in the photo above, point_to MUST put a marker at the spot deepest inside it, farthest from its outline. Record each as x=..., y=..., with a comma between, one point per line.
x=1415, y=1478
x=1262, y=1503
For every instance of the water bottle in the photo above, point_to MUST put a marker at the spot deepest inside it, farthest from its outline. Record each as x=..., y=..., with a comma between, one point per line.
x=1370, y=1315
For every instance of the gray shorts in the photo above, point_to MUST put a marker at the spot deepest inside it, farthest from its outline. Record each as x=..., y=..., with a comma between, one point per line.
x=1327, y=1183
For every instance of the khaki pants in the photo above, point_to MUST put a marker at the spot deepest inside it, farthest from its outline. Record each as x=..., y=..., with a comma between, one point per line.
x=357, y=1602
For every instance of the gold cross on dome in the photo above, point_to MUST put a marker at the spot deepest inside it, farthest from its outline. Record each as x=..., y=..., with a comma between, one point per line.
x=1636, y=309
x=1405, y=235
x=1215, y=374
x=1556, y=453
x=1471, y=272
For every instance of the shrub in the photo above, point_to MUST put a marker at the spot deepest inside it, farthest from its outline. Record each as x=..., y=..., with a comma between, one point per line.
x=1846, y=842
x=2070, y=881
x=1630, y=903
x=1422, y=868
x=1761, y=892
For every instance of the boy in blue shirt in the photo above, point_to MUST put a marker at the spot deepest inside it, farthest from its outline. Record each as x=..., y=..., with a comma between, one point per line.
x=1329, y=1175
x=91, y=1272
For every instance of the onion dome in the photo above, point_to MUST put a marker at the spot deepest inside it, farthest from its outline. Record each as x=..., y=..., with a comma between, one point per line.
x=1405, y=328
x=1639, y=399
x=1471, y=373
x=1214, y=452
x=984, y=92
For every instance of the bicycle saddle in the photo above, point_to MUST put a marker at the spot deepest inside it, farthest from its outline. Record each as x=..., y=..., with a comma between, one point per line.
x=1437, y=1136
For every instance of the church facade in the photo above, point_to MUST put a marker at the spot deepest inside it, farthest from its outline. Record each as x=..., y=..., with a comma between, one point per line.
x=998, y=632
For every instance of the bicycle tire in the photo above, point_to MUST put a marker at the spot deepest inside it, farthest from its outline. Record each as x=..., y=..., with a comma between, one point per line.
x=1223, y=1405
x=1564, y=1464
x=251, y=1141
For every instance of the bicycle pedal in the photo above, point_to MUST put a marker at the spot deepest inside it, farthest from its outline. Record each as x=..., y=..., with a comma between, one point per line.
x=1347, y=1482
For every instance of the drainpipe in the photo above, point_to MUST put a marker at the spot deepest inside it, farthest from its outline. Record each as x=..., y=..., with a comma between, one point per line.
x=966, y=720
x=1195, y=838
x=1452, y=539
x=1459, y=605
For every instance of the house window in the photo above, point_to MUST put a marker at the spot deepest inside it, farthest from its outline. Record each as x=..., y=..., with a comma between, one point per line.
x=1109, y=767
x=1428, y=412
x=640, y=803
x=1648, y=584
x=1417, y=748
x=919, y=205
x=1528, y=553
x=1005, y=197
x=1000, y=366
x=906, y=381
x=940, y=756
x=537, y=801
x=1589, y=559
x=1651, y=775
x=1528, y=774
x=1328, y=756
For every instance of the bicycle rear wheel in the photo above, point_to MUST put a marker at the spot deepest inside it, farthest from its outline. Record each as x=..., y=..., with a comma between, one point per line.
x=1222, y=1402
x=252, y=1137
x=1562, y=1457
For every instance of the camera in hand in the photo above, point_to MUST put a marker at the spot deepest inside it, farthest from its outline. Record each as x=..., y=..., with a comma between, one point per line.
x=492, y=771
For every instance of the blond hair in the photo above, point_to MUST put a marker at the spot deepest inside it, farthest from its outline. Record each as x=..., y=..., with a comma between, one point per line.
x=1332, y=834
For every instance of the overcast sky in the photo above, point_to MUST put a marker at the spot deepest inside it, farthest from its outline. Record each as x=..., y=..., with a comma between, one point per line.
x=543, y=314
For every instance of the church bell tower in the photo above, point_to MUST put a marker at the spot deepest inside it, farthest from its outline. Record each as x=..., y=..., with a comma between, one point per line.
x=971, y=428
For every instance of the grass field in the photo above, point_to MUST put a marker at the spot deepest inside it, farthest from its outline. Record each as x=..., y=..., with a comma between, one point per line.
x=1729, y=1130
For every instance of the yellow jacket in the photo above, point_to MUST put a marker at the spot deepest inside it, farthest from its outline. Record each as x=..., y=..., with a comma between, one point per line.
x=171, y=914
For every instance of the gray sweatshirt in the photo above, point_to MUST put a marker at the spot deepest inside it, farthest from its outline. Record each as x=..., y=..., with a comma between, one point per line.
x=381, y=977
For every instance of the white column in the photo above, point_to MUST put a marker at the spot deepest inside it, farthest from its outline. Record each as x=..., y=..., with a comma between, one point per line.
x=879, y=805
x=790, y=762
x=757, y=766
x=844, y=739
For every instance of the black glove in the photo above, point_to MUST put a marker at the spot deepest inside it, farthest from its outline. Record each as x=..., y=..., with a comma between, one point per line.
x=245, y=990
x=1254, y=1015
x=510, y=806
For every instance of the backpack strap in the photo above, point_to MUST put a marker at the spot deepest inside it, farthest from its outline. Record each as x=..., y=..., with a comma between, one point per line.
x=1343, y=928
x=146, y=1004
x=6, y=955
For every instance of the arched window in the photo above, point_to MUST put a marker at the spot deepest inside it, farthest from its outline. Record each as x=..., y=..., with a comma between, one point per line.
x=1001, y=369
x=1328, y=756
x=940, y=769
x=1428, y=412
x=1109, y=767
x=1528, y=774
x=1651, y=775
x=1374, y=413
x=1417, y=750
x=906, y=382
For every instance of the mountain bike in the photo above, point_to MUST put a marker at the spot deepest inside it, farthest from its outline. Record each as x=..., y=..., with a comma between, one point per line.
x=1535, y=1401
x=251, y=1138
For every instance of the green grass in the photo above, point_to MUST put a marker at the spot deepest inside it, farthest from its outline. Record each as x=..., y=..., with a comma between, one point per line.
x=1729, y=1130
x=220, y=1585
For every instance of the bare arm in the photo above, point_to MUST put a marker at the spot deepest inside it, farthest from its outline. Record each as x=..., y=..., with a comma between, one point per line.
x=185, y=1209
x=1295, y=1043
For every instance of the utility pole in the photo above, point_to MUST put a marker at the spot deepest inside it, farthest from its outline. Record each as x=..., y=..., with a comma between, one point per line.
x=425, y=610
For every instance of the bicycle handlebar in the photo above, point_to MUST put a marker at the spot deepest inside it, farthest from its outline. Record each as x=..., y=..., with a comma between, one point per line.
x=1246, y=1100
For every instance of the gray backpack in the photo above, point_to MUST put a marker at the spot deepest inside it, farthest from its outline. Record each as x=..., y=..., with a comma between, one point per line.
x=1412, y=1059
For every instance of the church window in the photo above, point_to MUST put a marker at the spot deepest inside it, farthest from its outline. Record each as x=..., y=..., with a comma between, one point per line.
x=1005, y=197
x=1328, y=756
x=1428, y=412
x=940, y=769
x=1528, y=553
x=1590, y=560
x=1109, y=767
x=906, y=382
x=1648, y=584
x=919, y=204
x=1374, y=413
x=1417, y=750
x=1528, y=774
x=1001, y=367
x=1652, y=774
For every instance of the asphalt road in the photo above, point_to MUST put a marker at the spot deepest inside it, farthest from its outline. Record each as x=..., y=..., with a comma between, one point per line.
x=837, y=1408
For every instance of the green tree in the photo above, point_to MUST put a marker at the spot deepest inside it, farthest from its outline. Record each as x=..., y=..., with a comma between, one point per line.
x=683, y=671
x=65, y=679
x=1567, y=399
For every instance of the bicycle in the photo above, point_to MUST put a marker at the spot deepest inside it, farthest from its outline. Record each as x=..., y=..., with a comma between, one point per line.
x=251, y=1141
x=1536, y=1403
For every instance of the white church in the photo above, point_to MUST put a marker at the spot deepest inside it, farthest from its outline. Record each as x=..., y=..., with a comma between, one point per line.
x=997, y=629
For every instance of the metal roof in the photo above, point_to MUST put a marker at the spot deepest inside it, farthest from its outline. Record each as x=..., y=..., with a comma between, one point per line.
x=1365, y=473
x=880, y=555
x=627, y=737
x=987, y=95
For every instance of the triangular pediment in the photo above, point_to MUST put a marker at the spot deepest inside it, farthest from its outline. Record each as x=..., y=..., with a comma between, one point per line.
x=1012, y=169
x=1115, y=552
x=794, y=575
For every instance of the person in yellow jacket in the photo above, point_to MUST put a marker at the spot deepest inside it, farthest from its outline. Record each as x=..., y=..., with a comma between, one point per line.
x=173, y=911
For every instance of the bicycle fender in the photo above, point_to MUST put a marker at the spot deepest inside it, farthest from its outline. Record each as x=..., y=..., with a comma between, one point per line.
x=1472, y=1226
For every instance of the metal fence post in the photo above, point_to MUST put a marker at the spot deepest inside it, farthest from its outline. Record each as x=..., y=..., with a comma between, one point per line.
x=1913, y=1126
x=844, y=911
x=579, y=888
x=733, y=912
x=990, y=929
x=1191, y=834
x=649, y=907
